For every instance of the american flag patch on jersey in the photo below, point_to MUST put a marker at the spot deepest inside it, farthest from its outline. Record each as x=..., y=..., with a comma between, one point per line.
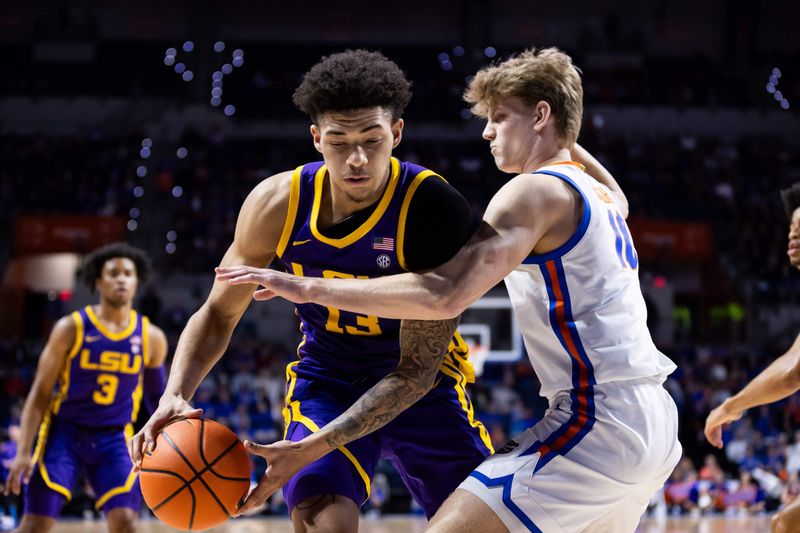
x=383, y=243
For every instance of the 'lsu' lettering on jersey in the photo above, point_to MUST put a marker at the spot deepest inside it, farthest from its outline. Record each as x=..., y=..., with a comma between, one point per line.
x=101, y=383
x=336, y=341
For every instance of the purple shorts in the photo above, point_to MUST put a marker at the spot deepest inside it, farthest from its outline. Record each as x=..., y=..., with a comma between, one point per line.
x=434, y=444
x=68, y=451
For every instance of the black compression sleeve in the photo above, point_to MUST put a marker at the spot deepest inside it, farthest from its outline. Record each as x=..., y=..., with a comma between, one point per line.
x=438, y=224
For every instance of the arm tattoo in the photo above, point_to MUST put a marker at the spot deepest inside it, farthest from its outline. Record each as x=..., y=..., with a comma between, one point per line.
x=423, y=345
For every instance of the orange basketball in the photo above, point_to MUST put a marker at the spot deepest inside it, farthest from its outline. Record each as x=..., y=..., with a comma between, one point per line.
x=197, y=474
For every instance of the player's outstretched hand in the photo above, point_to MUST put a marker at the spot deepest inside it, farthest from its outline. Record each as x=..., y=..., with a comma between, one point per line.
x=284, y=459
x=716, y=419
x=169, y=408
x=293, y=288
x=18, y=473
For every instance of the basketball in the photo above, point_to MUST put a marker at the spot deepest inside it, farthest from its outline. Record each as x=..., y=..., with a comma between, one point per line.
x=196, y=475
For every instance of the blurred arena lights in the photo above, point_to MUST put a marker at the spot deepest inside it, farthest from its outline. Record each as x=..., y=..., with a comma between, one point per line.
x=466, y=114
x=147, y=142
x=169, y=60
x=138, y=191
x=144, y=152
x=217, y=76
x=172, y=235
x=230, y=110
x=216, y=91
x=132, y=225
x=490, y=51
x=446, y=65
x=216, y=101
x=134, y=212
x=216, y=83
x=443, y=57
x=219, y=46
x=188, y=46
x=458, y=51
x=227, y=68
x=177, y=191
x=188, y=76
x=182, y=152
x=170, y=248
x=238, y=61
x=180, y=68
x=141, y=171
x=238, y=53
x=171, y=52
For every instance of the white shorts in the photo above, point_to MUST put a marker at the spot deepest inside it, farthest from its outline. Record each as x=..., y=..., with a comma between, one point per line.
x=593, y=469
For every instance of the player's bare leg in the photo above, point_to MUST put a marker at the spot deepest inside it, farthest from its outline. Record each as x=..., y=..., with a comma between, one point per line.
x=34, y=523
x=122, y=520
x=329, y=513
x=463, y=512
x=788, y=519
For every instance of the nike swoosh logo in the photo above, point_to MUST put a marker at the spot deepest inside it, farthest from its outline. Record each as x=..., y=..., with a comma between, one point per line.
x=298, y=243
x=93, y=338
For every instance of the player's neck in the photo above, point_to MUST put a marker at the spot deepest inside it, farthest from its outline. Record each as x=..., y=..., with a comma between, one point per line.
x=546, y=157
x=338, y=205
x=116, y=317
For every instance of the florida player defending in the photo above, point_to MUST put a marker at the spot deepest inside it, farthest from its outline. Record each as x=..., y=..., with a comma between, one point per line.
x=559, y=238
x=92, y=374
x=779, y=380
x=358, y=213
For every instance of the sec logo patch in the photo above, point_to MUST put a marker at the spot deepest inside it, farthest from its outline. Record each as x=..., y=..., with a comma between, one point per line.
x=384, y=261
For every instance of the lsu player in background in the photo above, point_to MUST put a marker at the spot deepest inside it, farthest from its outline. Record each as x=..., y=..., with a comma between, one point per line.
x=559, y=238
x=97, y=366
x=779, y=380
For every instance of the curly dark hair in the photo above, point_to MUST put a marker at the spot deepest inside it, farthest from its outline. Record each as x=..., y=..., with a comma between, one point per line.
x=93, y=263
x=353, y=79
x=791, y=198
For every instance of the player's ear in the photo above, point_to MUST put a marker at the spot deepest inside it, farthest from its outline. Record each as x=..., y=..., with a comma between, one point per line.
x=316, y=135
x=397, y=132
x=541, y=112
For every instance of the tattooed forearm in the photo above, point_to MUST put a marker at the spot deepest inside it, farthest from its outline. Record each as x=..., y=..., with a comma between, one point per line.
x=423, y=345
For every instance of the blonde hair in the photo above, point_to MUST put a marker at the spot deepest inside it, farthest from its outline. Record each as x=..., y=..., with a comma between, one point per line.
x=533, y=76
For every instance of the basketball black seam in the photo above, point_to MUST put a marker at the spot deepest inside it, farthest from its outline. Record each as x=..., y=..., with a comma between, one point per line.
x=209, y=465
x=169, y=473
x=198, y=474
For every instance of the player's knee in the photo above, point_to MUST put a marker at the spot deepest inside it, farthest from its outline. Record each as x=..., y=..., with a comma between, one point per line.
x=122, y=521
x=779, y=524
x=327, y=513
x=35, y=524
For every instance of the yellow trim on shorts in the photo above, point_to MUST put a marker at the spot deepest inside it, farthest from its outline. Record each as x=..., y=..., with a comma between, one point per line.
x=122, y=489
x=38, y=457
x=107, y=332
x=401, y=225
x=291, y=214
x=466, y=405
x=319, y=181
x=291, y=413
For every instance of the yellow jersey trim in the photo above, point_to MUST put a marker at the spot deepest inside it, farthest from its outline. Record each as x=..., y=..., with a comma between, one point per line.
x=138, y=392
x=291, y=413
x=401, y=225
x=291, y=214
x=65, y=372
x=108, y=333
x=466, y=405
x=319, y=182
x=128, y=483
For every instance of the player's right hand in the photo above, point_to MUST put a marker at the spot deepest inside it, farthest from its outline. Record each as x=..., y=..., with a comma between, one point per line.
x=169, y=408
x=716, y=419
x=18, y=473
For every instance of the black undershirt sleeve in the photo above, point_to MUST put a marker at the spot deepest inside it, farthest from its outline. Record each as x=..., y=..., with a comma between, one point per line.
x=439, y=223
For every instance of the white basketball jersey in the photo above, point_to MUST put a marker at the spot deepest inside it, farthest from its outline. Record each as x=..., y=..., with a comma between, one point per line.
x=580, y=307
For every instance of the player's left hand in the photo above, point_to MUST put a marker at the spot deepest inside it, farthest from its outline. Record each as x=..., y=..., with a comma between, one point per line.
x=284, y=459
x=274, y=283
x=716, y=419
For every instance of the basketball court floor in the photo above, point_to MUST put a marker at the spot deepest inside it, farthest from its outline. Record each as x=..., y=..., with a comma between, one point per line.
x=404, y=524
